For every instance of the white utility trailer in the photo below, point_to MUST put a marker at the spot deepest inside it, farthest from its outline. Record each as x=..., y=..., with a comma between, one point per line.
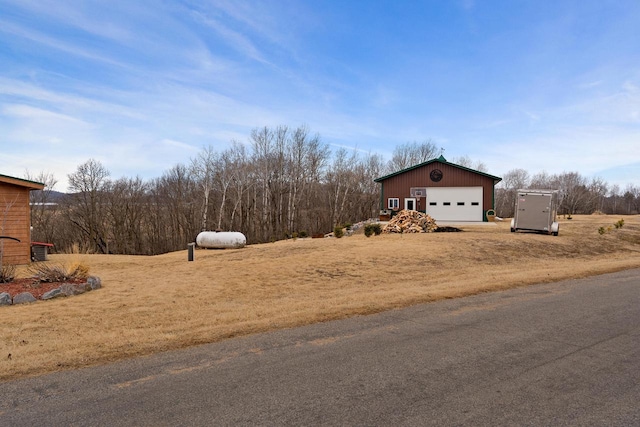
x=536, y=210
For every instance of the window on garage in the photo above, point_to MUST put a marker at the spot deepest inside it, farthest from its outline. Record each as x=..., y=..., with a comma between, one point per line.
x=475, y=203
x=394, y=203
x=433, y=203
x=460, y=203
x=446, y=203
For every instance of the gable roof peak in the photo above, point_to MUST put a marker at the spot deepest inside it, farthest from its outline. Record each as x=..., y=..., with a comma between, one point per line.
x=440, y=159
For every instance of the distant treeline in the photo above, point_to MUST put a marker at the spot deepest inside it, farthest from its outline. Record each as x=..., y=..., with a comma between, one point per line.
x=577, y=194
x=286, y=182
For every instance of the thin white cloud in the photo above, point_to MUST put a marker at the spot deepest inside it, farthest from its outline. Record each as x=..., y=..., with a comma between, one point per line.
x=235, y=39
x=384, y=96
x=51, y=42
x=178, y=144
x=38, y=114
x=590, y=85
x=617, y=107
x=274, y=23
x=151, y=44
x=75, y=14
x=496, y=123
x=221, y=134
x=63, y=100
x=351, y=148
x=532, y=116
x=630, y=87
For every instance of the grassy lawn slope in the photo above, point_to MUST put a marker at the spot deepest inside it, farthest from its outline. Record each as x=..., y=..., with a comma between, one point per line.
x=151, y=304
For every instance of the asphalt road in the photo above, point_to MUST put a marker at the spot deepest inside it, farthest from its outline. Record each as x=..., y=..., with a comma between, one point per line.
x=566, y=353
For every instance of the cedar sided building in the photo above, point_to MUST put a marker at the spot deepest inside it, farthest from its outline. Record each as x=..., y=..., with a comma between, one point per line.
x=15, y=218
x=443, y=190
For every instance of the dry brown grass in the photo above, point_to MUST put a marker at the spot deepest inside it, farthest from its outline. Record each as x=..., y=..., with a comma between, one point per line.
x=151, y=304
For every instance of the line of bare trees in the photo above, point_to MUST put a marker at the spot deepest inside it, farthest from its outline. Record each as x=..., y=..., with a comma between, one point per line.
x=284, y=182
x=577, y=194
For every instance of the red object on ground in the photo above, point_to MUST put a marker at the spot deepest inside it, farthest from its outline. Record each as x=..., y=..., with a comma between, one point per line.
x=42, y=244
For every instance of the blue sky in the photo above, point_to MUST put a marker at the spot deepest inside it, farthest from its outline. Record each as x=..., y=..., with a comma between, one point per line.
x=142, y=85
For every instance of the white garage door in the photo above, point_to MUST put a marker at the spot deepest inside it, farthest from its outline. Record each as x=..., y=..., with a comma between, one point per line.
x=455, y=203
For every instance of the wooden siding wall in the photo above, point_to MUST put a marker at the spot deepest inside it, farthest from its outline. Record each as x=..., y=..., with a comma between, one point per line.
x=15, y=215
x=400, y=185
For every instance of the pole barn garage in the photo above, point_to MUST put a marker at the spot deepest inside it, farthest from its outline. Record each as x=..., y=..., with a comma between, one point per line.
x=15, y=219
x=443, y=190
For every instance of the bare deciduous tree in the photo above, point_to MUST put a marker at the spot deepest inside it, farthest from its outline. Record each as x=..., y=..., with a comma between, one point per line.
x=86, y=210
x=507, y=189
x=597, y=189
x=341, y=183
x=411, y=154
x=203, y=168
x=262, y=144
x=126, y=208
x=44, y=209
x=632, y=197
x=467, y=162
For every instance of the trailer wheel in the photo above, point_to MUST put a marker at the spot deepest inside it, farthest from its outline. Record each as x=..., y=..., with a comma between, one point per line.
x=513, y=230
x=555, y=233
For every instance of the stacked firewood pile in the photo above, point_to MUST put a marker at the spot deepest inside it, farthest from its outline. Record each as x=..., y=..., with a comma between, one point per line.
x=410, y=222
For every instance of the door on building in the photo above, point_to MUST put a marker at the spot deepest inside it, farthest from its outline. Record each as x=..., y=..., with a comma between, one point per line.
x=455, y=203
x=410, y=204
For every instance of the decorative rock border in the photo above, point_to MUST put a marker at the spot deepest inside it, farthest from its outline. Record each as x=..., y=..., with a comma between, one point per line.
x=65, y=290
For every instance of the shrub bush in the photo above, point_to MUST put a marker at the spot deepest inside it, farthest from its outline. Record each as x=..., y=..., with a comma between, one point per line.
x=377, y=228
x=46, y=272
x=372, y=228
x=368, y=230
x=7, y=273
x=618, y=224
x=303, y=234
x=337, y=231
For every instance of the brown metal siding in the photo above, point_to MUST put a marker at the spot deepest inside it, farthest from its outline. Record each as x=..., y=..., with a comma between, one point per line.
x=399, y=185
x=15, y=215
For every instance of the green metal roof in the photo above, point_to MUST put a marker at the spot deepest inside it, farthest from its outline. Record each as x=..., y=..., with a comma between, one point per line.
x=442, y=160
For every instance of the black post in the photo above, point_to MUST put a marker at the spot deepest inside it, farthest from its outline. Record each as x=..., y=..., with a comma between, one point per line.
x=190, y=248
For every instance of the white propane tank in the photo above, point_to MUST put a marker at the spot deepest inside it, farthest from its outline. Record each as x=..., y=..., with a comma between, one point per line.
x=221, y=240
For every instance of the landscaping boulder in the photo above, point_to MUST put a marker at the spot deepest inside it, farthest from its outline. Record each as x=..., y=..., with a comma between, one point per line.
x=53, y=293
x=23, y=298
x=94, y=282
x=70, y=289
x=5, y=298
